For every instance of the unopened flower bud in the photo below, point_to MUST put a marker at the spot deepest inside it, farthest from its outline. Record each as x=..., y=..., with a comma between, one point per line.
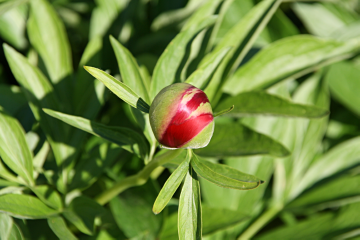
x=181, y=117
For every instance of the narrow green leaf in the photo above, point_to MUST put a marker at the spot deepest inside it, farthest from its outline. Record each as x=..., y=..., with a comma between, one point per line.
x=234, y=139
x=6, y=174
x=103, y=16
x=262, y=103
x=171, y=185
x=174, y=18
x=241, y=37
x=189, y=213
x=274, y=63
x=344, y=90
x=317, y=19
x=120, y=89
x=40, y=157
x=5, y=183
x=48, y=35
x=25, y=206
x=340, y=157
x=12, y=26
x=129, y=69
x=8, y=5
x=58, y=225
x=49, y=196
x=16, y=233
x=224, y=176
x=327, y=194
x=313, y=228
x=200, y=77
x=168, y=63
x=11, y=189
x=119, y=135
x=40, y=94
x=82, y=212
x=6, y=223
x=14, y=149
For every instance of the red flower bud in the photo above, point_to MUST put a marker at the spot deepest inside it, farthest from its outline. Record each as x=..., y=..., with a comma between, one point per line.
x=181, y=117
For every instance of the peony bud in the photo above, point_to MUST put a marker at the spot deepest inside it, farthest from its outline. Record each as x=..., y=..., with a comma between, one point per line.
x=181, y=117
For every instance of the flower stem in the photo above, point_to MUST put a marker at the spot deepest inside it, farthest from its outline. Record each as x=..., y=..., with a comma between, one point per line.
x=259, y=223
x=138, y=179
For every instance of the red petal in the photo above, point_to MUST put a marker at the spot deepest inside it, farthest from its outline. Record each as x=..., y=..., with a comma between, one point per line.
x=177, y=135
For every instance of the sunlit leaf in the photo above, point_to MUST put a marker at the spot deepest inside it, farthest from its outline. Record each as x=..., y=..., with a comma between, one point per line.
x=274, y=63
x=171, y=185
x=189, y=213
x=223, y=175
x=14, y=149
x=120, y=89
x=262, y=103
x=25, y=206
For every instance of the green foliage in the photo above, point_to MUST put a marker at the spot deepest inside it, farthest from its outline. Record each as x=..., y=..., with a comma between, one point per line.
x=78, y=158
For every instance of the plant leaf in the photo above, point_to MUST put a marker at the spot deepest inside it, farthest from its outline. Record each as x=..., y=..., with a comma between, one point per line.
x=82, y=212
x=49, y=196
x=119, y=135
x=13, y=24
x=274, y=63
x=171, y=185
x=317, y=19
x=8, y=5
x=168, y=63
x=103, y=16
x=47, y=34
x=314, y=228
x=234, y=139
x=327, y=194
x=120, y=89
x=129, y=69
x=58, y=226
x=224, y=176
x=189, y=213
x=6, y=223
x=201, y=75
x=262, y=103
x=25, y=206
x=340, y=157
x=241, y=37
x=344, y=90
x=14, y=149
x=40, y=93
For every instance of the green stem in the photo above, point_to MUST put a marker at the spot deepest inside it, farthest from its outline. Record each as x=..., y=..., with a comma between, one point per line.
x=259, y=223
x=138, y=179
x=224, y=111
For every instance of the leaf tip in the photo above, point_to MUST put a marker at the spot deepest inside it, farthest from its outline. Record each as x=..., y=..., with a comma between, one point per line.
x=155, y=211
